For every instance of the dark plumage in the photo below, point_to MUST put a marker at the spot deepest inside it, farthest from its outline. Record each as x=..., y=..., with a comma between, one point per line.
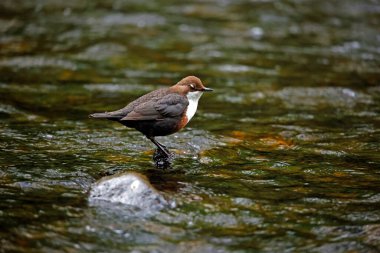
x=160, y=112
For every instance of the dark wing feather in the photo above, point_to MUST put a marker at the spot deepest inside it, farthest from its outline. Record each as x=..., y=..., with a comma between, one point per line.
x=123, y=112
x=144, y=111
x=171, y=105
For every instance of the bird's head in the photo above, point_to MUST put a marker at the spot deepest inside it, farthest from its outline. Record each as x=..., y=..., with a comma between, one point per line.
x=190, y=84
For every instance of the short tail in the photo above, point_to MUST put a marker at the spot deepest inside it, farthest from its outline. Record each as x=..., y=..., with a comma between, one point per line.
x=104, y=115
x=101, y=115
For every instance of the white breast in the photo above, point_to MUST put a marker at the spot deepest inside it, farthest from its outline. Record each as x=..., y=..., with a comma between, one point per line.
x=193, y=98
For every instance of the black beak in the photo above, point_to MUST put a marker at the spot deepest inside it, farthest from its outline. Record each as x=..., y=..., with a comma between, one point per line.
x=207, y=89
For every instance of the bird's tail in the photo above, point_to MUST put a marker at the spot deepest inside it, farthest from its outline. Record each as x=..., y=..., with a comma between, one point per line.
x=103, y=115
x=100, y=115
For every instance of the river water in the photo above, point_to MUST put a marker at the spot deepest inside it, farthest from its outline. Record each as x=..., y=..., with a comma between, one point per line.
x=282, y=157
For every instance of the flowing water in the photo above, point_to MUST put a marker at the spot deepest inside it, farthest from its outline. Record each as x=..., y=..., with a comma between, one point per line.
x=283, y=156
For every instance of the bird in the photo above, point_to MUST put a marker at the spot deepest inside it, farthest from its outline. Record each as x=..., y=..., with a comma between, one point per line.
x=160, y=112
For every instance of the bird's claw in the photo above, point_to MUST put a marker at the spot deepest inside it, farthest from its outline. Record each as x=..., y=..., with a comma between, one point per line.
x=162, y=158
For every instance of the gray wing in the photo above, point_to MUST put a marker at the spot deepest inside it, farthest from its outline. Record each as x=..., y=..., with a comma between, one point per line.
x=171, y=105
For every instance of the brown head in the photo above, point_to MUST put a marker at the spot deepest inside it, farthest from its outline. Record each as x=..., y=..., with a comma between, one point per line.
x=189, y=84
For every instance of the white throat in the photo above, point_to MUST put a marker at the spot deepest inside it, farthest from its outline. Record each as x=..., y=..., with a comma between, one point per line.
x=193, y=98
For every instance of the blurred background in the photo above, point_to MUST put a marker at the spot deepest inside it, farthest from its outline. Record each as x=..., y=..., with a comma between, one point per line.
x=283, y=156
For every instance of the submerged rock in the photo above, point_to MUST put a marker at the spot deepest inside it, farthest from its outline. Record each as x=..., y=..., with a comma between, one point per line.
x=129, y=188
x=27, y=62
x=321, y=96
x=102, y=51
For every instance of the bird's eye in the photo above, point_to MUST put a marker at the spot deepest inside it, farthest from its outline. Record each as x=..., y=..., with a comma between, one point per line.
x=192, y=86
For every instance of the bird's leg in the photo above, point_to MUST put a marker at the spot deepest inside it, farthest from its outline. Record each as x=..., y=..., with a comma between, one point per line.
x=160, y=146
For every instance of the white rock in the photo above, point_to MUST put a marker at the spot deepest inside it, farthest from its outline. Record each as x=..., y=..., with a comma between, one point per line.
x=129, y=188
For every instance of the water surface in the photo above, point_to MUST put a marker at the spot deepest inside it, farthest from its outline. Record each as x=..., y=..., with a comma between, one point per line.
x=282, y=157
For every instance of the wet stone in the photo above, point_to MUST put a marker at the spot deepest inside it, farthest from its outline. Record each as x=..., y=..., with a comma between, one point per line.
x=129, y=188
x=102, y=51
x=137, y=19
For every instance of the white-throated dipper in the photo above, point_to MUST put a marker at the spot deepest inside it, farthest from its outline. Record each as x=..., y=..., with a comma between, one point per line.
x=161, y=112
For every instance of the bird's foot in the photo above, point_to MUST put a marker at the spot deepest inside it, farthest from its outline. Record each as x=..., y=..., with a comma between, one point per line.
x=162, y=158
